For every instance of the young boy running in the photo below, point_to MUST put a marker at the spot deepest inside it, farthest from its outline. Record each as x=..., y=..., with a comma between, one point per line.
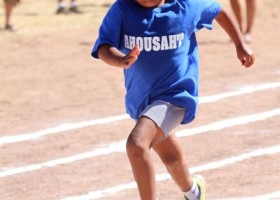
x=154, y=42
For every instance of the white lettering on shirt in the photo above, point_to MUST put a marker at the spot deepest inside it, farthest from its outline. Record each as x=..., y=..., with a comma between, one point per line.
x=155, y=43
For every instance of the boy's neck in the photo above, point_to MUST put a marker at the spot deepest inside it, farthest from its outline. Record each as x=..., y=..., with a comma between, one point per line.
x=151, y=3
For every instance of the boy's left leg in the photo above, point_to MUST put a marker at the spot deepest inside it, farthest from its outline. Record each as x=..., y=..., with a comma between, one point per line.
x=171, y=153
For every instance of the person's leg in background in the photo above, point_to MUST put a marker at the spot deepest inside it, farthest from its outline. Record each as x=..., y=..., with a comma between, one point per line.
x=236, y=7
x=251, y=7
x=60, y=7
x=74, y=8
x=9, y=7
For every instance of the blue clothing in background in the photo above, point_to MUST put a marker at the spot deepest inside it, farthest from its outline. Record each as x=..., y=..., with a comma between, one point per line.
x=167, y=67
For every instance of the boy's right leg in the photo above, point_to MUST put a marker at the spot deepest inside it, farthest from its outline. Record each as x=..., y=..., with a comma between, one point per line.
x=139, y=142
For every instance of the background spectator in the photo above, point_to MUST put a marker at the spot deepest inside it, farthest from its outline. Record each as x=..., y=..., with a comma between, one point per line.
x=9, y=6
x=251, y=6
x=62, y=9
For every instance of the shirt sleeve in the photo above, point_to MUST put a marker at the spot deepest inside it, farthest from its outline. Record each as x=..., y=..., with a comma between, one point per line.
x=207, y=12
x=110, y=29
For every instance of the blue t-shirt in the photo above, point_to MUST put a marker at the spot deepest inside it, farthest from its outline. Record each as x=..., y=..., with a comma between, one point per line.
x=167, y=67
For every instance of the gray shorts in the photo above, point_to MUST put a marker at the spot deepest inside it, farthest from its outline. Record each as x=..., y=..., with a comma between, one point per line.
x=166, y=115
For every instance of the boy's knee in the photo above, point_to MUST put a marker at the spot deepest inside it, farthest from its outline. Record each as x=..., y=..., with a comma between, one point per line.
x=135, y=145
x=171, y=160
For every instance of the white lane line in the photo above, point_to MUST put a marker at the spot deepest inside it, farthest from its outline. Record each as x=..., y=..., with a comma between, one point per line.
x=119, y=146
x=78, y=125
x=271, y=196
x=215, y=126
x=242, y=91
x=111, y=148
x=60, y=128
x=161, y=177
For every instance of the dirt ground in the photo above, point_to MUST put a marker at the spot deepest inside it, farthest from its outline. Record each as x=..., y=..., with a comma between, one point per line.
x=57, y=139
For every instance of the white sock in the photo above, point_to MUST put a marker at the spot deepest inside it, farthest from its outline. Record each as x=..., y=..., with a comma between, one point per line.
x=60, y=5
x=73, y=4
x=193, y=193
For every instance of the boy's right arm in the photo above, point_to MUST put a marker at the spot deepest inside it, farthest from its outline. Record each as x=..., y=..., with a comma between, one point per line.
x=112, y=56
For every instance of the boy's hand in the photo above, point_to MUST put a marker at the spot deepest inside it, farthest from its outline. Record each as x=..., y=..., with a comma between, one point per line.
x=112, y=56
x=131, y=57
x=245, y=54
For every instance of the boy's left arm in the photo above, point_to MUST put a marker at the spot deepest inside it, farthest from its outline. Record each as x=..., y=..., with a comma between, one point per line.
x=244, y=53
